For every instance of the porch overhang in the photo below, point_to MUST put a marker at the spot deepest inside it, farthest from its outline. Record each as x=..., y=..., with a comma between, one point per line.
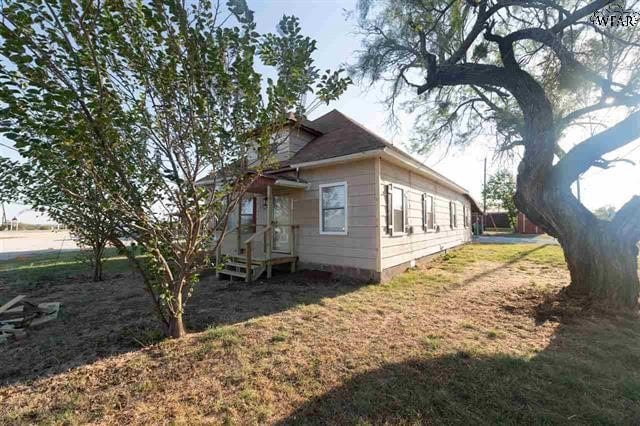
x=260, y=184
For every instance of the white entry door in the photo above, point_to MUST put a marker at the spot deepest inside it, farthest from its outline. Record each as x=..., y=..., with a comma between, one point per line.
x=281, y=217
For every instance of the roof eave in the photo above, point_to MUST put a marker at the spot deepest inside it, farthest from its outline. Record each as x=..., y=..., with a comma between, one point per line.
x=388, y=154
x=337, y=160
x=291, y=184
x=416, y=165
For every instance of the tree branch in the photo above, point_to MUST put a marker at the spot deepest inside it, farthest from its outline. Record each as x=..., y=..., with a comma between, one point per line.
x=579, y=14
x=585, y=154
x=626, y=222
x=567, y=59
x=602, y=104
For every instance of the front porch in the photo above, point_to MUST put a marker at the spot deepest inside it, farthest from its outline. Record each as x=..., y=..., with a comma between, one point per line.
x=261, y=241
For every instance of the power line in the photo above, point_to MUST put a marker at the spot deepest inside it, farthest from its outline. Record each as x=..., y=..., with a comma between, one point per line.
x=7, y=146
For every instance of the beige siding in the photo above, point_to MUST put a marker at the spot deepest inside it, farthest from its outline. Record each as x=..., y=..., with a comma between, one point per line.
x=357, y=249
x=286, y=143
x=399, y=249
x=367, y=244
x=297, y=140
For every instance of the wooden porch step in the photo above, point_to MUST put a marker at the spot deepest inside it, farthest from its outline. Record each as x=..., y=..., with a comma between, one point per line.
x=243, y=260
x=233, y=273
x=258, y=260
x=242, y=265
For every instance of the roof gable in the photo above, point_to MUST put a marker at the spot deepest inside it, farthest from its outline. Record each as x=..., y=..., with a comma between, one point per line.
x=341, y=136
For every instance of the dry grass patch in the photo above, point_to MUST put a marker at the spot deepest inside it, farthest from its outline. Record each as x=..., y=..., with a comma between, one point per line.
x=475, y=337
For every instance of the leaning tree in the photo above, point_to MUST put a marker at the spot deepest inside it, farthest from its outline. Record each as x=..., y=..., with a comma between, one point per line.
x=529, y=72
x=145, y=99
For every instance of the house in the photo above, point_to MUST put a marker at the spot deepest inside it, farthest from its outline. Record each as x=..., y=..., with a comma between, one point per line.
x=344, y=200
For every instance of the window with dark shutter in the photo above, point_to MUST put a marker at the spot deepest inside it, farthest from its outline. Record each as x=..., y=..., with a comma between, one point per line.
x=451, y=214
x=428, y=212
x=455, y=214
x=398, y=205
x=465, y=222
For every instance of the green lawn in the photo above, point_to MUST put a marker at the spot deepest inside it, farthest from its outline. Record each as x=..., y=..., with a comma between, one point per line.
x=479, y=336
x=29, y=271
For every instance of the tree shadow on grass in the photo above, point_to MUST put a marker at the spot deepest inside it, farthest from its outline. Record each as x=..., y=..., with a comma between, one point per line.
x=504, y=265
x=98, y=320
x=227, y=302
x=589, y=374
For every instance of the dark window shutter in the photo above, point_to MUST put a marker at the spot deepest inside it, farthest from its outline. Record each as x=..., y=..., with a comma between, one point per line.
x=389, y=189
x=451, y=214
x=433, y=211
x=464, y=213
x=405, y=212
x=424, y=212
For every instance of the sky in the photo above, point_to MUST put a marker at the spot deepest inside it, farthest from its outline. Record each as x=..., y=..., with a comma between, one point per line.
x=327, y=22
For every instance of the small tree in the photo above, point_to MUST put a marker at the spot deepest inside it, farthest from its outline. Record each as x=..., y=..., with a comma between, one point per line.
x=500, y=192
x=605, y=213
x=147, y=98
x=51, y=184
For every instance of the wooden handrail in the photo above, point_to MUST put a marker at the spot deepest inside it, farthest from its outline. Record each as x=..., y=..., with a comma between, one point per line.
x=262, y=231
x=227, y=231
x=248, y=252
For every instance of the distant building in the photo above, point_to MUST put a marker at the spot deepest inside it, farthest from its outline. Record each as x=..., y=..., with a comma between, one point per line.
x=525, y=226
x=496, y=219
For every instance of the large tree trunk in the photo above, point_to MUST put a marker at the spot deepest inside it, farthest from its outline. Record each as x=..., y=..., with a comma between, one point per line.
x=602, y=267
x=602, y=257
x=602, y=261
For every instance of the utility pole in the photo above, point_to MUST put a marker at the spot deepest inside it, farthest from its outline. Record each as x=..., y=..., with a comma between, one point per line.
x=578, y=188
x=4, y=217
x=484, y=195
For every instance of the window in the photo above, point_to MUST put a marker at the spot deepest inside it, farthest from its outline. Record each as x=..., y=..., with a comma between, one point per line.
x=333, y=208
x=397, y=215
x=248, y=214
x=398, y=210
x=465, y=219
x=453, y=217
x=428, y=212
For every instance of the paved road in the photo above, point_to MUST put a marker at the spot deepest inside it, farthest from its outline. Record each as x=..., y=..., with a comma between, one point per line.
x=496, y=239
x=29, y=243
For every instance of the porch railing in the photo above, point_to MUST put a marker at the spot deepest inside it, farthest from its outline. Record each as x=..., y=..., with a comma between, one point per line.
x=248, y=251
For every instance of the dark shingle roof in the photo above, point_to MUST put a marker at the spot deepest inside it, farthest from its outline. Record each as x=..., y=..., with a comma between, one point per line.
x=338, y=135
x=341, y=136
